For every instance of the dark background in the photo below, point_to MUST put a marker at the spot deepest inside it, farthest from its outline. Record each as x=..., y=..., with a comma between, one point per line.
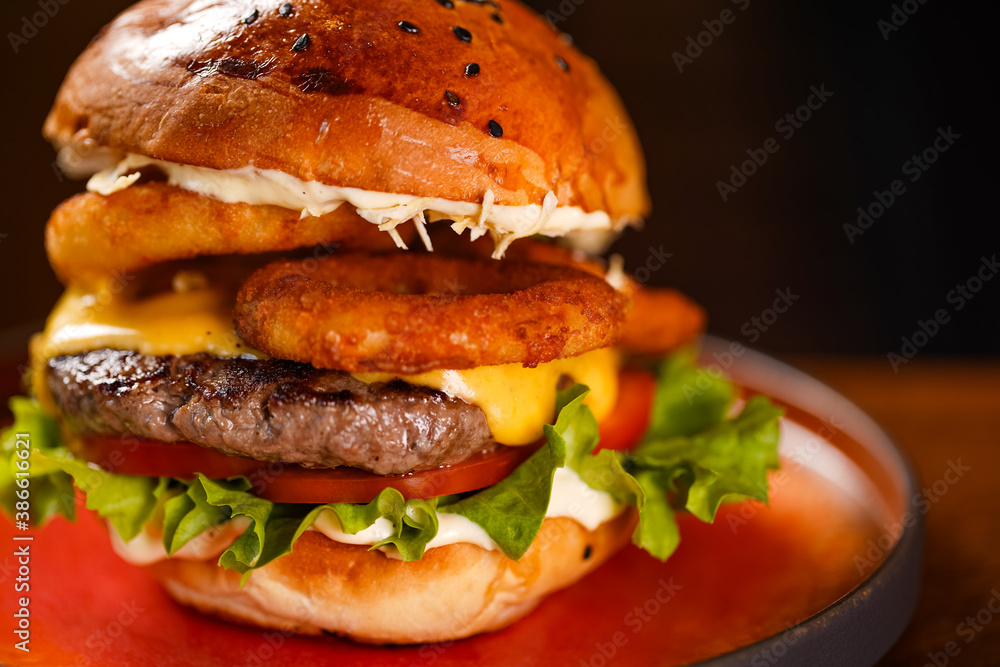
x=783, y=229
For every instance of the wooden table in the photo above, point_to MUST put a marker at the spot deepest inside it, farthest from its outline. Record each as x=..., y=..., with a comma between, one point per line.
x=941, y=412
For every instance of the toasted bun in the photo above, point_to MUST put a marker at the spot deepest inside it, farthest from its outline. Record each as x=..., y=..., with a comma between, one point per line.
x=454, y=591
x=364, y=104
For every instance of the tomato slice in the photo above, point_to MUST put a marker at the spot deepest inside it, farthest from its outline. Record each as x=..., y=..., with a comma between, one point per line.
x=295, y=484
x=628, y=422
x=290, y=483
x=130, y=455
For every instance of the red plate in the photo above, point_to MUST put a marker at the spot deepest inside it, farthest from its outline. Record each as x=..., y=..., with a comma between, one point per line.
x=755, y=573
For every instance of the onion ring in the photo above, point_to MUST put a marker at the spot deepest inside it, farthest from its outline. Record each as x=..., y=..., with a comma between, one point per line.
x=91, y=236
x=409, y=313
x=659, y=321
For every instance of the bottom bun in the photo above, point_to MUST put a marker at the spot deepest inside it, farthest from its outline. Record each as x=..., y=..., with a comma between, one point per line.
x=454, y=591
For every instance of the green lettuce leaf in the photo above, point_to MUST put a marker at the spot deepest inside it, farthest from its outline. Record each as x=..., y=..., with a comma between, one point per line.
x=692, y=457
x=187, y=515
x=512, y=511
x=414, y=522
x=730, y=459
x=51, y=489
x=688, y=399
x=126, y=501
x=576, y=428
x=657, y=532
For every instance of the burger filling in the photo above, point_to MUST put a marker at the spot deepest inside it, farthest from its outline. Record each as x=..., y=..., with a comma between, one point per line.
x=693, y=455
x=192, y=443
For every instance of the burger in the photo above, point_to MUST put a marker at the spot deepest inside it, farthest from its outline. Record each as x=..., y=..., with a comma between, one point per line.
x=338, y=352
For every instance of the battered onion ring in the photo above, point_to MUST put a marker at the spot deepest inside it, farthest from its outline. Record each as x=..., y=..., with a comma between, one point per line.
x=90, y=236
x=410, y=313
x=659, y=321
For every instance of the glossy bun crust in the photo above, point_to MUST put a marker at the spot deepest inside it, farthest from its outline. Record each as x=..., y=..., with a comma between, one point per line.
x=342, y=92
x=453, y=592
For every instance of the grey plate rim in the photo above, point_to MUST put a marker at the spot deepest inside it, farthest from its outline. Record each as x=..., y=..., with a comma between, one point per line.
x=860, y=627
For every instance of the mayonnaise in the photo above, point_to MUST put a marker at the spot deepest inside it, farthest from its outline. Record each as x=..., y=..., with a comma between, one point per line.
x=387, y=210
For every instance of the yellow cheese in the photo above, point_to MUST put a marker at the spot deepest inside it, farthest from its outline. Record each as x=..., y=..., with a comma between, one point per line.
x=199, y=320
x=517, y=401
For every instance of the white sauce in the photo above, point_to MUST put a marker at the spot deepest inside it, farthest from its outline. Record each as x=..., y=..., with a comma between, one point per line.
x=571, y=498
x=147, y=547
x=387, y=210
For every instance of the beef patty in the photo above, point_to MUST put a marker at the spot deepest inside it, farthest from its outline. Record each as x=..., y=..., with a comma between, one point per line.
x=270, y=410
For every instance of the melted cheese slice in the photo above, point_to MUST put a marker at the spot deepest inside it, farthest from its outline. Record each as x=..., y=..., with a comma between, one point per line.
x=517, y=401
x=166, y=323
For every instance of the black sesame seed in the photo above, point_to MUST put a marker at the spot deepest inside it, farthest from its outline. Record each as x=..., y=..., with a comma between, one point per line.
x=496, y=17
x=493, y=4
x=495, y=129
x=285, y=10
x=406, y=26
x=462, y=33
x=447, y=4
x=472, y=69
x=563, y=65
x=453, y=99
x=587, y=552
x=251, y=17
x=301, y=44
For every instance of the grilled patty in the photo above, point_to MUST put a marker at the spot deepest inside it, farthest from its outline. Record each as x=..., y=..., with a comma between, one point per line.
x=270, y=410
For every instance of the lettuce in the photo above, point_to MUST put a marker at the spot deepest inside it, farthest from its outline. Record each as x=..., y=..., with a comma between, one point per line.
x=51, y=489
x=692, y=458
x=414, y=522
x=511, y=511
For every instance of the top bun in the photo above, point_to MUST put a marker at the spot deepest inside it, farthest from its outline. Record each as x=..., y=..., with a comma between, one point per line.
x=387, y=96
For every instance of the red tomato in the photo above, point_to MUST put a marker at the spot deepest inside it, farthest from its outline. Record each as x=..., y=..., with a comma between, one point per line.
x=628, y=422
x=289, y=483
x=294, y=484
x=129, y=455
